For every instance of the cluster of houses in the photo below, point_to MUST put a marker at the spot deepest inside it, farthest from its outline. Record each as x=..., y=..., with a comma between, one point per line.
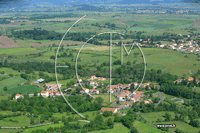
x=181, y=45
x=124, y=94
x=92, y=91
x=92, y=83
x=51, y=90
x=120, y=87
x=189, y=80
x=189, y=46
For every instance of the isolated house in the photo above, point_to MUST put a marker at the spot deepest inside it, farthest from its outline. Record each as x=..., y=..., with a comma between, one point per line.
x=17, y=96
x=39, y=81
x=148, y=101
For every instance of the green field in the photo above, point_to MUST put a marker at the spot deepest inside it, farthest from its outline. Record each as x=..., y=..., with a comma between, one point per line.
x=10, y=130
x=153, y=116
x=144, y=128
x=106, y=99
x=24, y=89
x=11, y=82
x=4, y=97
x=197, y=89
x=18, y=121
x=118, y=128
x=43, y=127
x=32, y=48
x=182, y=126
x=156, y=58
x=17, y=51
x=9, y=71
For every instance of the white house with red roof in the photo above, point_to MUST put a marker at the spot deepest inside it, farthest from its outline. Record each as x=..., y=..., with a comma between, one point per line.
x=79, y=80
x=44, y=93
x=94, y=91
x=86, y=90
x=17, y=96
x=92, y=83
x=148, y=101
x=101, y=78
x=93, y=77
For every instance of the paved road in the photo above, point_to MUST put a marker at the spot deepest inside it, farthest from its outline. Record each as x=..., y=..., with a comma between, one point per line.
x=28, y=126
x=115, y=103
x=161, y=98
x=181, y=100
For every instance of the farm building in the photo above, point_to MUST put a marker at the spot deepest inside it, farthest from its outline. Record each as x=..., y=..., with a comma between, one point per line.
x=114, y=110
x=39, y=81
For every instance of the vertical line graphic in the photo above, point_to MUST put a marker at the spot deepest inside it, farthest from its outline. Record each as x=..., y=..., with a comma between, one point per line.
x=110, y=63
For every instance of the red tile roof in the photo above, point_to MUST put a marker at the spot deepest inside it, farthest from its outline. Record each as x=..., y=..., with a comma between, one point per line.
x=107, y=109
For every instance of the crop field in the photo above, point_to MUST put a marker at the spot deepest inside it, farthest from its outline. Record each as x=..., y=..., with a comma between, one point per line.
x=11, y=82
x=24, y=89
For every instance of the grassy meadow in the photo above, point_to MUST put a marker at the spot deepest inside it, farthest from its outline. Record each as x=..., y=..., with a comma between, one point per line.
x=11, y=82
x=24, y=89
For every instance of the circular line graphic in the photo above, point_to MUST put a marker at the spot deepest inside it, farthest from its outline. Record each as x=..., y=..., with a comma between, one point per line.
x=58, y=66
x=111, y=59
x=78, y=56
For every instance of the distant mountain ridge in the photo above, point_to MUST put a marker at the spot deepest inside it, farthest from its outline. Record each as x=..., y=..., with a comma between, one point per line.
x=76, y=2
x=148, y=1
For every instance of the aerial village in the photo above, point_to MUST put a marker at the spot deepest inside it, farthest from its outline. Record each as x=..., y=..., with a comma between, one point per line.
x=125, y=97
x=179, y=45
